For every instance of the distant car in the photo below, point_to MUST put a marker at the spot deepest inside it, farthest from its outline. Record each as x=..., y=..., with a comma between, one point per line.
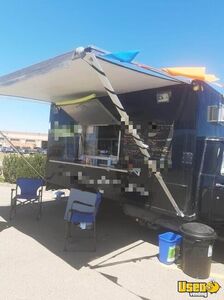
x=37, y=149
x=44, y=151
x=21, y=150
x=40, y=150
x=7, y=150
x=25, y=150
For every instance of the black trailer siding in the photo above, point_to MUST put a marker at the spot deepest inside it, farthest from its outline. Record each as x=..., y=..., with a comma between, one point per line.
x=172, y=129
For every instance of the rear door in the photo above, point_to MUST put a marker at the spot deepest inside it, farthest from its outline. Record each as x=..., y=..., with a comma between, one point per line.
x=211, y=199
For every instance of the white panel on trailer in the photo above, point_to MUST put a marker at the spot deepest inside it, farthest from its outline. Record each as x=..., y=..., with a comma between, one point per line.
x=91, y=113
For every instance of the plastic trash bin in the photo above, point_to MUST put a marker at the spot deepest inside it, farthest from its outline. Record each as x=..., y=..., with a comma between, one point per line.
x=169, y=247
x=198, y=240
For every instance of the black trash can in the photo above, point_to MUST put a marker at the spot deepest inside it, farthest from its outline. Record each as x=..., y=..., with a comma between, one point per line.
x=198, y=240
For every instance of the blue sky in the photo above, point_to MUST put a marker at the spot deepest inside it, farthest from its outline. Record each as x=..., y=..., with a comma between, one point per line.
x=167, y=33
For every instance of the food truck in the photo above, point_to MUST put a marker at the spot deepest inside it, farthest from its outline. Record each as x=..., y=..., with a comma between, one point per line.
x=153, y=141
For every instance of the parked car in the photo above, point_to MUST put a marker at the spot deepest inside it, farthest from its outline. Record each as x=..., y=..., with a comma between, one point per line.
x=7, y=149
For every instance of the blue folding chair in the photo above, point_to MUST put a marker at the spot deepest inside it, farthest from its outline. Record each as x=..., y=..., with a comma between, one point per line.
x=31, y=191
x=82, y=210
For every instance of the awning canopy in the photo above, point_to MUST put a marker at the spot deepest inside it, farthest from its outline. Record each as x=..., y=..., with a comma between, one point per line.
x=66, y=78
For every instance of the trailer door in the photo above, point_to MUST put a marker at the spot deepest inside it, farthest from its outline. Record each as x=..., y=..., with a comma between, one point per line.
x=211, y=188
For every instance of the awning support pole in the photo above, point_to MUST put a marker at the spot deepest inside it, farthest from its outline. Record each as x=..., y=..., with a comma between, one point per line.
x=91, y=59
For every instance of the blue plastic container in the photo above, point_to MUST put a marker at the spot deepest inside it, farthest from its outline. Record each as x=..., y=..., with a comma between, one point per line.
x=169, y=247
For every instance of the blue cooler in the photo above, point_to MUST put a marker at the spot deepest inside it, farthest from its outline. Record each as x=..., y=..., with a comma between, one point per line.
x=169, y=247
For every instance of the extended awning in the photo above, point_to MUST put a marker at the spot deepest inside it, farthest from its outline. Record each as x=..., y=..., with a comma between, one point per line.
x=64, y=77
x=87, y=73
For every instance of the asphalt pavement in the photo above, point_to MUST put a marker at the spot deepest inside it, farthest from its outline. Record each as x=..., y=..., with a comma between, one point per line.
x=125, y=265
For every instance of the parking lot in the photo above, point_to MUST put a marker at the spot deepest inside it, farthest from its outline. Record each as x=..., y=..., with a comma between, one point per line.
x=125, y=266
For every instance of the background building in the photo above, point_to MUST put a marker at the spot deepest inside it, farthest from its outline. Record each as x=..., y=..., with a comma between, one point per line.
x=24, y=139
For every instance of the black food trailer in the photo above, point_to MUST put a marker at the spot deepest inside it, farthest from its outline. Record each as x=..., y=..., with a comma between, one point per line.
x=153, y=141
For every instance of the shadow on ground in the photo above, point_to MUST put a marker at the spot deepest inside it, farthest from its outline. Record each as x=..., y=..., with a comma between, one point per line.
x=4, y=225
x=114, y=231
